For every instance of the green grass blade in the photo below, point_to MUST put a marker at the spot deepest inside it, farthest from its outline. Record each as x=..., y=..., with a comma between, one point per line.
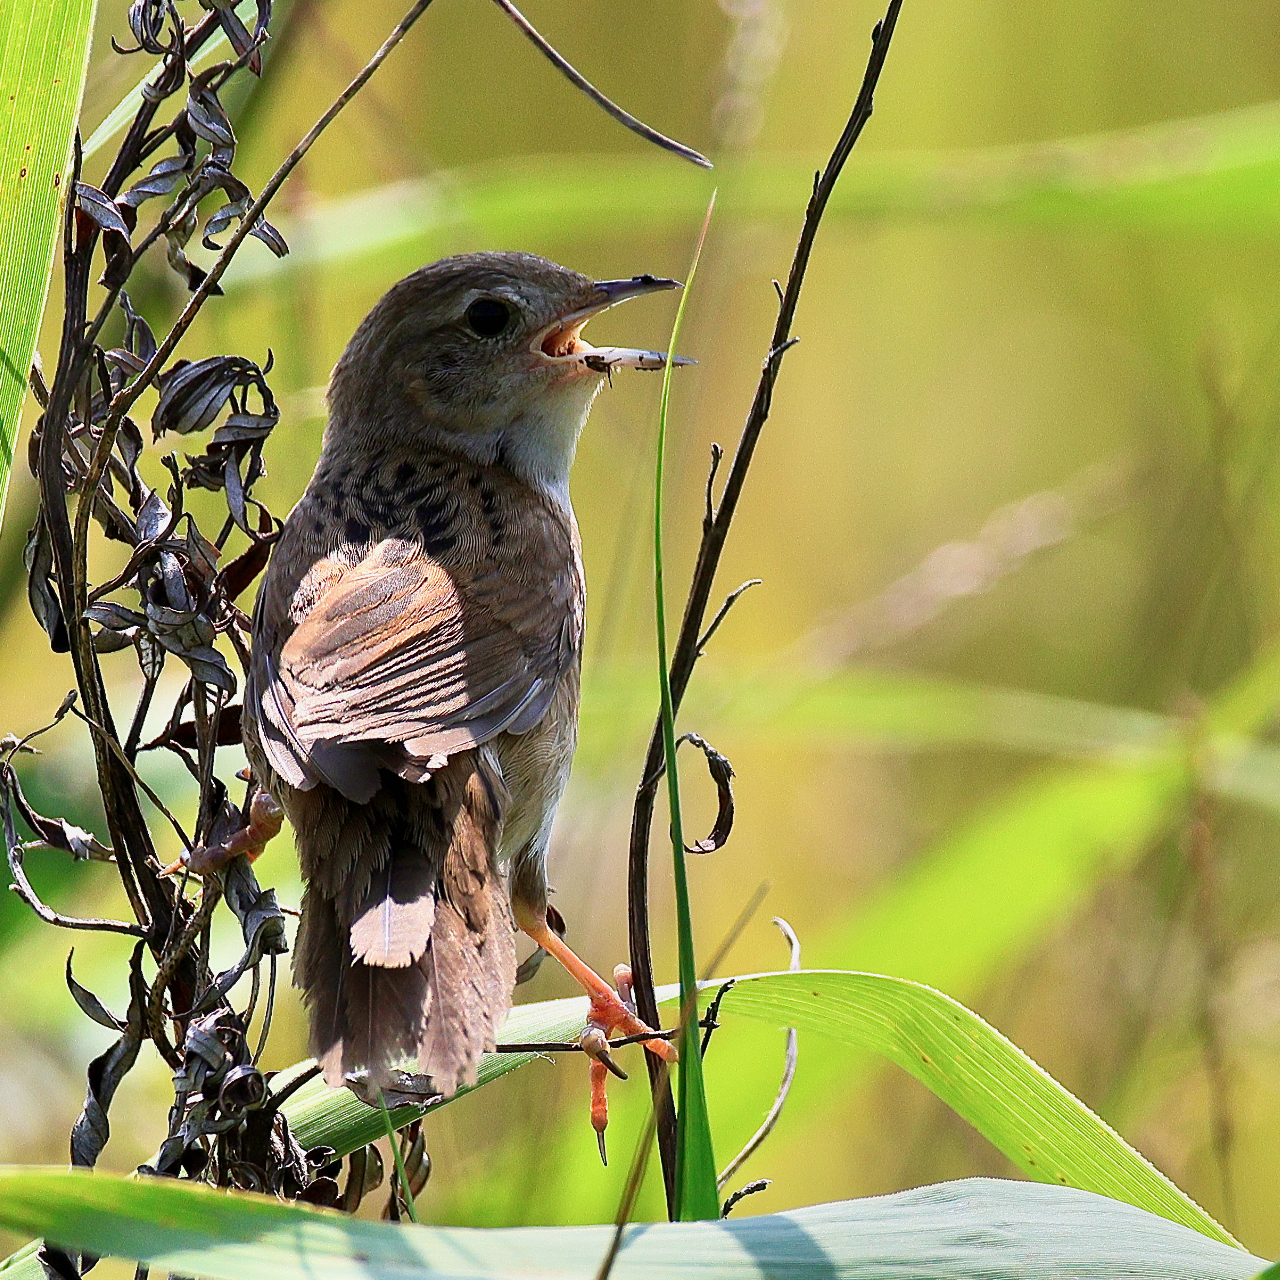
x=44, y=53
x=696, y=1194
x=983, y=1077
x=975, y=1070
x=978, y=1229
x=403, y=1178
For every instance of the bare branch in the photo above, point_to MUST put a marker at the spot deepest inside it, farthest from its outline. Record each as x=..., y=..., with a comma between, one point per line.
x=760, y=1184
x=127, y=395
x=565, y=1046
x=139, y=781
x=22, y=886
x=723, y=612
x=580, y=81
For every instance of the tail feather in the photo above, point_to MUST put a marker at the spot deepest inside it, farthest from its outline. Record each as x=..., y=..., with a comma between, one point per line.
x=408, y=965
x=392, y=926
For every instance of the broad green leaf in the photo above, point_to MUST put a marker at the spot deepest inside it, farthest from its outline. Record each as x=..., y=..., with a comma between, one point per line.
x=44, y=52
x=977, y=1229
x=983, y=1077
x=334, y=1117
x=1018, y=1107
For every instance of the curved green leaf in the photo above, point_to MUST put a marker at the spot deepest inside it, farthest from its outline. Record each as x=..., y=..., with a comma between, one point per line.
x=978, y=1229
x=982, y=1076
x=696, y=1195
x=44, y=53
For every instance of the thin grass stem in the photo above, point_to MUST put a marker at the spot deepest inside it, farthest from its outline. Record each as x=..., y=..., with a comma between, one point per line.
x=696, y=1196
x=401, y=1176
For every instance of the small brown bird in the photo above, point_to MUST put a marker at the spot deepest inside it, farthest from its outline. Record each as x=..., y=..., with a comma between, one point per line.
x=413, y=697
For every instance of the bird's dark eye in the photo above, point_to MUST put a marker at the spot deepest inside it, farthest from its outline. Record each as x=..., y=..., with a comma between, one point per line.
x=488, y=317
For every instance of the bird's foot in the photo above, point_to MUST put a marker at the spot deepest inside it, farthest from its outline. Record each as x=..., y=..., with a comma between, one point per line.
x=265, y=820
x=613, y=1011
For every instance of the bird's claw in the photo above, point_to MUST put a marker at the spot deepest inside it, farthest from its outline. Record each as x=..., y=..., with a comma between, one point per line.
x=266, y=817
x=595, y=1044
x=613, y=1011
x=599, y=1106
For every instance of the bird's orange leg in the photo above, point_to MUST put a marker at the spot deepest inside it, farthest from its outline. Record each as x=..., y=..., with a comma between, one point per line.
x=610, y=1012
x=265, y=820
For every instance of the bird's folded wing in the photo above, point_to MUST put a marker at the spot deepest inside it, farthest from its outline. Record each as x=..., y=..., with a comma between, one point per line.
x=403, y=659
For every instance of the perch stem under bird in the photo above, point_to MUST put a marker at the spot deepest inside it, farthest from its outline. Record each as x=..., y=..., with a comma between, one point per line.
x=412, y=700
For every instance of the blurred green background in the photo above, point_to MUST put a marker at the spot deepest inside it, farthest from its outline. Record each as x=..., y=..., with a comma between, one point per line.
x=1015, y=515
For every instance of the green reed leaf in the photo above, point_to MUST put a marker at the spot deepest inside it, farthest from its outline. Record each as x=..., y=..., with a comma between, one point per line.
x=44, y=52
x=977, y=1229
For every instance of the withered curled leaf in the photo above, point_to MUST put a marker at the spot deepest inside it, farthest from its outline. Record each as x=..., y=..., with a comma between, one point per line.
x=101, y=208
x=89, y=1004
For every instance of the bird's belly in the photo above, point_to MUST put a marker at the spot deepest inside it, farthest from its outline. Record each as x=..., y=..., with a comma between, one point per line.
x=535, y=767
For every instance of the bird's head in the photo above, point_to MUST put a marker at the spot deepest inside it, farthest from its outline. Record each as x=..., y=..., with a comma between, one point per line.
x=483, y=353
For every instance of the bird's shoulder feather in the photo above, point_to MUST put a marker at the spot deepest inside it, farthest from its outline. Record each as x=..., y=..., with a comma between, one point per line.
x=411, y=611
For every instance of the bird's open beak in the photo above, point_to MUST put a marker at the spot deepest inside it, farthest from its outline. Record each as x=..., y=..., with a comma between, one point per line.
x=563, y=341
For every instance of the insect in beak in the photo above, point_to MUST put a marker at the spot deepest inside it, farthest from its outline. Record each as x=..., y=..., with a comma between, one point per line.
x=563, y=341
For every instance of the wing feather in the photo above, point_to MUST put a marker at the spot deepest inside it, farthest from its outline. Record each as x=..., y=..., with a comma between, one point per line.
x=387, y=656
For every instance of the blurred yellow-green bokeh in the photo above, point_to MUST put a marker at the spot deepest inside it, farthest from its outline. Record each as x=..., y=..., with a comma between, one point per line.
x=1026, y=443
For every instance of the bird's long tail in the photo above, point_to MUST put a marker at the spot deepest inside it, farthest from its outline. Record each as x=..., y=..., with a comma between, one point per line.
x=406, y=951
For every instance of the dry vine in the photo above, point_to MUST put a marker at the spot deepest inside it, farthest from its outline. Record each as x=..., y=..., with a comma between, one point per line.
x=181, y=590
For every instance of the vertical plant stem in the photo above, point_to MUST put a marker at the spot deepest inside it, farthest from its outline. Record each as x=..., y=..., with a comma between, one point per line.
x=696, y=1194
x=398, y=1156
x=715, y=532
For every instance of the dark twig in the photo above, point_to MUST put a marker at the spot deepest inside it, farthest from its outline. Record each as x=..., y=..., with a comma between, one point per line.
x=22, y=886
x=760, y=1184
x=556, y=1046
x=580, y=81
x=269, y=1011
x=717, y=457
x=715, y=532
x=723, y=612
x=711, y=1019
x=125, y=398
x=139, y=781
x=277, y=1100
x=722, y=775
